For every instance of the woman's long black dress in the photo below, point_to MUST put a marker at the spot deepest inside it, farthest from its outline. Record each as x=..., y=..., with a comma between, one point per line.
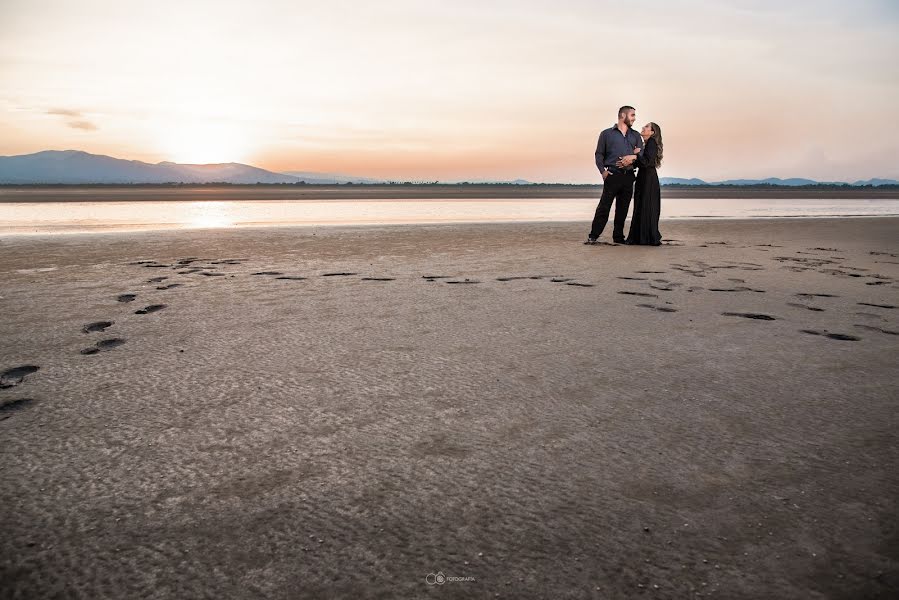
x=647, y=199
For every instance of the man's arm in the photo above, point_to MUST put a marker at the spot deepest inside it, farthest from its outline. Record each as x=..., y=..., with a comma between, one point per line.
x=640, y=142
x=600, y=155
x=627, y=161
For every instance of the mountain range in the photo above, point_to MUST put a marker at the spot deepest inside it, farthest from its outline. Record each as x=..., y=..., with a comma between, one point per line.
x=793, y=181
x=77, y=167
x=74, y=166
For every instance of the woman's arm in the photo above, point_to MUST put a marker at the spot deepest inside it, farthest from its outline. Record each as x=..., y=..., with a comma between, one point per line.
x=648, y=157
x=644, y=158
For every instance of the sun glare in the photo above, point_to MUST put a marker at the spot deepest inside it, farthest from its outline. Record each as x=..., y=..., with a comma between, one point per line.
x=207, y=143
x=207, y=214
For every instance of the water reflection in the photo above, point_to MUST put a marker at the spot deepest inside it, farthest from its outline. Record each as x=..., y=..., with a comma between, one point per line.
x=74, y=217
x=206, y=214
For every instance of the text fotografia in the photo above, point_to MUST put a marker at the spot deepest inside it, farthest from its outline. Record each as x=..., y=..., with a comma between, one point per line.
x=439, y=578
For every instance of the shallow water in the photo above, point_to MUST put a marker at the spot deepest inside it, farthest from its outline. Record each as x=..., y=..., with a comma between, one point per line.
x=79, y=217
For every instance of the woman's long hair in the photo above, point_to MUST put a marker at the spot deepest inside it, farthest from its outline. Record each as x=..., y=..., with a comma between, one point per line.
x=657, y=134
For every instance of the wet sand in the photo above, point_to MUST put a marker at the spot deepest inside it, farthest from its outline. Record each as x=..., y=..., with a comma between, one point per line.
x=340, y=412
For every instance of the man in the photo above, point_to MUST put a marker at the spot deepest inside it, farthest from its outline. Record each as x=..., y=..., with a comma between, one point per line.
x=618, y=182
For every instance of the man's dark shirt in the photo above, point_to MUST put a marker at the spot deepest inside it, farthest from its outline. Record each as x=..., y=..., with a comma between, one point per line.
x=613, y=144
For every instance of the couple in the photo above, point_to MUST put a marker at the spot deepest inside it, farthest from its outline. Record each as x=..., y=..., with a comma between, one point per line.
x=619, y=150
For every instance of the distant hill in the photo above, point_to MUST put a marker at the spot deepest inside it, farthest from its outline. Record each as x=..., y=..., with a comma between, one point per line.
x=791, y=182
x=876, y=182
x=74, y=167
x=681, y=181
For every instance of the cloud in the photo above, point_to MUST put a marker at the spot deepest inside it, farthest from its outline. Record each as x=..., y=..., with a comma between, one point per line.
x=78, y=121
x=64, y=112
x=85, y=125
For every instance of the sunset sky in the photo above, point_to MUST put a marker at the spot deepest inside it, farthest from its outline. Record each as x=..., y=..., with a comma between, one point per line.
x=453, y=90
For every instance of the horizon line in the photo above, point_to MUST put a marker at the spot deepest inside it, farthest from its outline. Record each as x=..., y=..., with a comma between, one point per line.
x=685, y=181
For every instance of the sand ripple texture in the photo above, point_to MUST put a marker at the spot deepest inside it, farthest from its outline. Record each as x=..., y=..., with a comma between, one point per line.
x=325, y=414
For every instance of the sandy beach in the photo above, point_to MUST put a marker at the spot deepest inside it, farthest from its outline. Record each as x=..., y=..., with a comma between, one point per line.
x=352, y=411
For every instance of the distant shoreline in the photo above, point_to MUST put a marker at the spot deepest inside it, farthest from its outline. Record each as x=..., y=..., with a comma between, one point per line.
x=222, y=192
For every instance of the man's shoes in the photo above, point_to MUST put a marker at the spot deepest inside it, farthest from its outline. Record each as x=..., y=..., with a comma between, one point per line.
x=590, y=241
x=620, y=241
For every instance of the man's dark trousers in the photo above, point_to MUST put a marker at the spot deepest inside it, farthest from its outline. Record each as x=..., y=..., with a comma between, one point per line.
x=619, y=186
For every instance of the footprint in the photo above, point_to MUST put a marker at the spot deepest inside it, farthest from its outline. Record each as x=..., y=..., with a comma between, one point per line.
x=651, y=271
x=805, y=262
x=169, y=286
x=157, y=279
x=14, y=376
x=141, y=262
x=338, y=274
x=97, y=326
x=107, y=344
x=664, y=288
x=291, y=277
x=839, y=272
x=561, y=279
x=876, y=282
x=757, y=316
x=267, y=273
x=209, y=274
x=877, y=305
x=870, y=316
x=872, y=328
x=433, y=277
x=379, y=279
x=189, y=271
x=739, y=263
x=809, y=295
x=665, y=309
x=158, y=266
x=833, y=336
x=516, y=277
x=149, y=309
x=575, y=283
x=806, y=306
x=644, y=294
x=633, y=278
x=464, y=281
x=7, y=407
x=691, y=271
x=126, y=297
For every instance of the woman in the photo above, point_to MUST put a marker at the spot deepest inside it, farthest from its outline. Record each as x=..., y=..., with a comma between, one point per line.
x=647, y=194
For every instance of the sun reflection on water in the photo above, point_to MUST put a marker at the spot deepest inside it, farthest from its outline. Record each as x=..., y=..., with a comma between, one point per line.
x=208, y=214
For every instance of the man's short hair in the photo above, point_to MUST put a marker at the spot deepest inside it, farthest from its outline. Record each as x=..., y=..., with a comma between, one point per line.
x=623, y=110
